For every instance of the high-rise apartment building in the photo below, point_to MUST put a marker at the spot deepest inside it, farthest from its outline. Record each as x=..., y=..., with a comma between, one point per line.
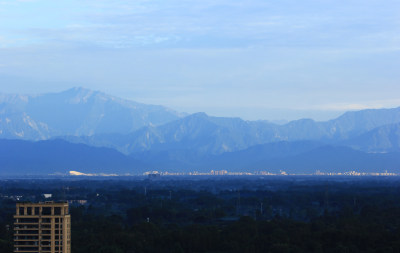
x=42, y=227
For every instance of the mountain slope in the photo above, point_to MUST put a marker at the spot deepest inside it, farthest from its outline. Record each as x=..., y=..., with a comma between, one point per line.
x=198, y=133
x=77, y=112
x=381, y=139
x=18, y=157
x=355, y=123
x=20, y=125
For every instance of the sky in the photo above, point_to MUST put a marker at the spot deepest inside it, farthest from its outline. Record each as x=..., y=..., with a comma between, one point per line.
x=254, y=59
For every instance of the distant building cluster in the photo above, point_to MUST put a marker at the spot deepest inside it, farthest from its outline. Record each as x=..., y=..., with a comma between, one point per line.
x=152, y=174
x=355, y=173
x=157, y=174
x=219, y=172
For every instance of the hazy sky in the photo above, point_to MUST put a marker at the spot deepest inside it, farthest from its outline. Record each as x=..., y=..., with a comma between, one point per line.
x=256, y=59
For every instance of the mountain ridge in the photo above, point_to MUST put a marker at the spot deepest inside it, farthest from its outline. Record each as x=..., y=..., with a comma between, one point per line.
x=216, y=135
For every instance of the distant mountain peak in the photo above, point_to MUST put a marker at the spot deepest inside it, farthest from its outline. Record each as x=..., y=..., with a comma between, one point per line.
x=78, y=111
x=79, y=95
x=202, y=115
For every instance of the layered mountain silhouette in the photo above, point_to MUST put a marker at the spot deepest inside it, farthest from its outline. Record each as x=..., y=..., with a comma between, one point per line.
x=99, y=130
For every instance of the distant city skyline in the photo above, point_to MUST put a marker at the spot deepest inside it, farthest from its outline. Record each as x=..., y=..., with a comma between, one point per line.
x=251, y=59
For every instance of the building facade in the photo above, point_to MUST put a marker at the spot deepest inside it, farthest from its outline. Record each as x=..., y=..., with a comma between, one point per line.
x=42, y=227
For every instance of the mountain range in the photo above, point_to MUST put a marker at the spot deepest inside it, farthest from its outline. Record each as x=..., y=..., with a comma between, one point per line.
x=138, y=137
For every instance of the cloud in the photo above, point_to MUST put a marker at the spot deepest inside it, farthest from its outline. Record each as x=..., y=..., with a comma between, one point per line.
x=5, y=42
x=209, y=24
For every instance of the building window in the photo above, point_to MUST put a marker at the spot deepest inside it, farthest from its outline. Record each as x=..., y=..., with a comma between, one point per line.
x=46, y=211
x=46, y=220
